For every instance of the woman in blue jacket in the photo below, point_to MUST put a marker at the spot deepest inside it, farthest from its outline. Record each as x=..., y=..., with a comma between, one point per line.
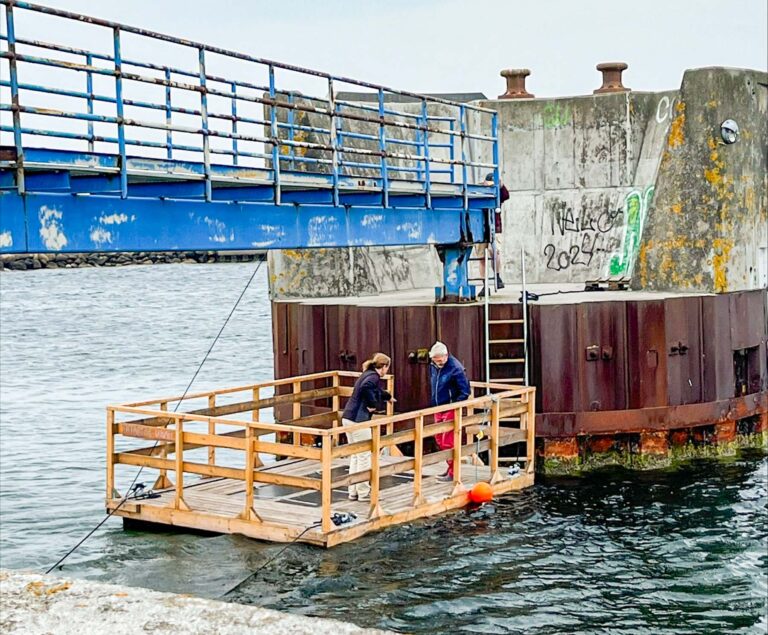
x=448, y=384
x=367, y=397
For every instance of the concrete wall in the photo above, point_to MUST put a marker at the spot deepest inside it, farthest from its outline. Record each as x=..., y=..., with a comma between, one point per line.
x=581, y=173
x=611, y=186
x=708, y=229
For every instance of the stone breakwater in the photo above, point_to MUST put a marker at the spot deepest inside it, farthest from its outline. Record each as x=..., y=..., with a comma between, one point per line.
x=26, y=262
x=34, y=604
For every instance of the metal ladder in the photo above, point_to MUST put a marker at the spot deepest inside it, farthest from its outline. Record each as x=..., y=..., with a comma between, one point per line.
x=511, y=339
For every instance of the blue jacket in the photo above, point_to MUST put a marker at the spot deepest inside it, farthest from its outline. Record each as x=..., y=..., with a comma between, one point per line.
x=366, y=394
x=449, y=383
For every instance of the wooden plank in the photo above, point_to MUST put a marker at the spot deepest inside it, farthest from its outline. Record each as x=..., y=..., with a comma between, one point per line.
x=285, y=449
x=151, y=433
x=110, y=453
x=375, y=477
x=418, y=461
x=326, y=485
x=212, y=432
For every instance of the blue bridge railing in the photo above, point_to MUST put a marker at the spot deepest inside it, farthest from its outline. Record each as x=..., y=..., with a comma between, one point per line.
x=200, y=113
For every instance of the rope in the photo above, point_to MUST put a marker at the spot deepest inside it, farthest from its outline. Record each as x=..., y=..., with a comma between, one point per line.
x=133, y=487
x=243, y=581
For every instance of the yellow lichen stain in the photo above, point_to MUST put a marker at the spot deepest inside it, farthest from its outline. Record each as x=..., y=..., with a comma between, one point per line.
x=722, y=249
x=40, y=588
x=642, y=258
x=677, y=208
x=711, y=143
x=712, y=103
x=713, y=176
x=676, y=137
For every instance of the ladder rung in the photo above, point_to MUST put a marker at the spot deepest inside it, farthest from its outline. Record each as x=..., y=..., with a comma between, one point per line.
x=512, y=341
x=505, y=321
x=508, y=360
x=509, y=380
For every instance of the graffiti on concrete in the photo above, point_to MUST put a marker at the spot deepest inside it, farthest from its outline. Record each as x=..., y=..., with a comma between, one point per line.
x=556, y=115
x=665, y=109
x=587, y=233
x=636, y=206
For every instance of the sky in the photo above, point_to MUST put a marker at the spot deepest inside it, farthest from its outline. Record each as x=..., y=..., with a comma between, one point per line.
x=461, y=45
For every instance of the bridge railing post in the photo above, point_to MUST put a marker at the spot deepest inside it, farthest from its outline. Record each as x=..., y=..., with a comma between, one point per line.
x=425, y=153
x=463, y=131
x=15, y=98
x=273, y=134
x=89, y=98
x=120, y=115
x=168, y=115
x=204, y=120
x=233, y=86
x=383, y=150
x=334, y=141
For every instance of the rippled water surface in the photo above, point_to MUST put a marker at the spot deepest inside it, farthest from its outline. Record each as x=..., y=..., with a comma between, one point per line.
x=678, y=551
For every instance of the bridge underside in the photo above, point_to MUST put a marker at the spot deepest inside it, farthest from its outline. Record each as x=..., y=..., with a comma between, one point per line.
x=73, y=202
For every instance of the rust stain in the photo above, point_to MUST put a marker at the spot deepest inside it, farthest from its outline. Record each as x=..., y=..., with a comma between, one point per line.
x=677, y=208
x=676, y=136
x=722, y=249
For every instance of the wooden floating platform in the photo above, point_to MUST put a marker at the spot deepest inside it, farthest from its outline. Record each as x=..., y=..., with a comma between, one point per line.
x=273, y=486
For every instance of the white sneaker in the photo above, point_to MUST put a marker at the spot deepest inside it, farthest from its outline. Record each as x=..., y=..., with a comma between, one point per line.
x=352, y=497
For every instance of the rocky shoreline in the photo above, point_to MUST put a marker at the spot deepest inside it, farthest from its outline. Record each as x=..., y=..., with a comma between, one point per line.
x=29, y=262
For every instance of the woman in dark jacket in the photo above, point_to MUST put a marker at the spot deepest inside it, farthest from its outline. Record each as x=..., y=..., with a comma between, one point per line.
x=367, y=397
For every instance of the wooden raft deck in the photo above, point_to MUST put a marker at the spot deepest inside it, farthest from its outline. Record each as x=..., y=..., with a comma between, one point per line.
x=297, y=496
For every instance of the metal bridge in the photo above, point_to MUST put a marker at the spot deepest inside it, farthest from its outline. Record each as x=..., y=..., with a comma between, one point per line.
x=106, y=149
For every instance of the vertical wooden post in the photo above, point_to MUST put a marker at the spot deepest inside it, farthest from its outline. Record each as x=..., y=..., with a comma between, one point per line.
x=256, y=411
x=110, y=454
x=530, y=422
x=178, y=502
x=418, y=459
x=248, y=512
x=336, y=406
x=211, y=430
x=163, y=481
x=494, y=442
x=325, y=484
x=375, y=510
x=393, y=449
x=457, y=419
x=296, y=411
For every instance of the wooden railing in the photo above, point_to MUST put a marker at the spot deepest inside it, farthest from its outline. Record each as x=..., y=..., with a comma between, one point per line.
x=177, y=432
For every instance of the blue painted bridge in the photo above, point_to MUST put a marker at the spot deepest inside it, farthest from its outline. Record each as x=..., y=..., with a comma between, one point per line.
x=106, y=149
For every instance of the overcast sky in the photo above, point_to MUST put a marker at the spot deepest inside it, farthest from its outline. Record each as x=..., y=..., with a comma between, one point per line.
x=461, y=45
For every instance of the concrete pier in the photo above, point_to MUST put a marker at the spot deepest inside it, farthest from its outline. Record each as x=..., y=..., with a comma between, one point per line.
x=32, y=604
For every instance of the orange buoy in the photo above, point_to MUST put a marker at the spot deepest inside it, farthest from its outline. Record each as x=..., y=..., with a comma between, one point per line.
x=481, y=493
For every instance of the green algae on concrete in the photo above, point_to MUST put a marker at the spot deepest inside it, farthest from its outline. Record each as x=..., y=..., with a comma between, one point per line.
x=32, y=604
x=591, y=461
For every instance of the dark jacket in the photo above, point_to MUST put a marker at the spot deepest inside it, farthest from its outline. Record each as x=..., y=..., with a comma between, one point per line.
x=449, y=384
x=366, y=394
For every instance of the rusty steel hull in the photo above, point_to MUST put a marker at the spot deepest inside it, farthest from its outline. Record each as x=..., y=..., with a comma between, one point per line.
x=601, y=368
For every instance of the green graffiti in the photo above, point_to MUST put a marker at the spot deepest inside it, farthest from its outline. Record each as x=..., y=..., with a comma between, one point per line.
x=636, y=207
x=555, y=116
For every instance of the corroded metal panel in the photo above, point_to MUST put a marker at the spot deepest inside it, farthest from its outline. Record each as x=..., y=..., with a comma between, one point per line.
x=682, y=322
x=748, y=319
x=569, y=424
x=460, y=328
x=717, y=361
x=369, y=332
x=601, y=356
x=310, y=340
x=555, y=337
x=284, y=334
x=281, y=344
x=646, y=354
x=413, y=333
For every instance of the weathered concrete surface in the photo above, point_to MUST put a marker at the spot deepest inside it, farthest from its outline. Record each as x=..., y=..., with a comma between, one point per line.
x=605, y=186
x=32, y=604
x=356, y=271
x=708, y=226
